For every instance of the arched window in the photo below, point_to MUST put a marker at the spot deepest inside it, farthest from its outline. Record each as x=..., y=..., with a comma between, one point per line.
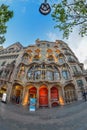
x=56, y=73
x=43, y=72
x=49, y=75
x=37, y=75
x=61, y=58
x=66, y=74
x=36, y=58
x=50, y=58
x=31, y=73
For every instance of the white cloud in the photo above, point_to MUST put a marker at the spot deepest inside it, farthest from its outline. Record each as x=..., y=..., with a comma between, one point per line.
x=52, y=36
x=77, y=44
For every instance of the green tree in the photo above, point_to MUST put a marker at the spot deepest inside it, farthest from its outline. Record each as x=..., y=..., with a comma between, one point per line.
x=69, y=14
x=5, y=15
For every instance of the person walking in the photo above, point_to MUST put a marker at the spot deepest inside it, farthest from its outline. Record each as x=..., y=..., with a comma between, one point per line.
x=84, y=96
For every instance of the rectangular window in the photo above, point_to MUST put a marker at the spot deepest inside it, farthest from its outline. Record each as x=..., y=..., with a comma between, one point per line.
x=80, y=83
x=74, y=68
x=3, y=63
x=65, y=74
x=61, y=60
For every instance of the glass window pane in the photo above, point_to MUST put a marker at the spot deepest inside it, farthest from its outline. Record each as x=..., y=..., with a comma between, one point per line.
x=65, y=74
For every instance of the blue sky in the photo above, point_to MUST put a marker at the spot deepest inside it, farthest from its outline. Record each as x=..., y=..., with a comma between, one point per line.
x=28, y=24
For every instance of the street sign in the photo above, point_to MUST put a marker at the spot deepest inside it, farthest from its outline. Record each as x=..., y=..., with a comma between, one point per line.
x=32, y=106
x=4, y=96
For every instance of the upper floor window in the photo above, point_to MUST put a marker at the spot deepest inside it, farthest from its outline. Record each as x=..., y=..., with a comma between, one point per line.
x=80, y=83
x=38, y=45
x=49, y=75
x=36, y=58
x=3, y=63
x=37, y=75
x=74, y=68
x=65, y=74
x=50, y=58
x=44, y=72
x=1, y=71
x=48, y=45
x=61, y=60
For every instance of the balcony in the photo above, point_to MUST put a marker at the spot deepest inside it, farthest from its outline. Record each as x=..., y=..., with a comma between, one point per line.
x=50, y=60
x=67, y=52
x=42, y=79
x=36, y=60
x=71, y=60
x=77, y=74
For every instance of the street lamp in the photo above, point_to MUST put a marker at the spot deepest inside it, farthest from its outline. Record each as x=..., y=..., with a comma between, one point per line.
x=45, y=8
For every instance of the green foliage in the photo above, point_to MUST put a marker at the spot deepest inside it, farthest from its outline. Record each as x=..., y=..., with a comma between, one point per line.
x=5, y=15
x=68, y=15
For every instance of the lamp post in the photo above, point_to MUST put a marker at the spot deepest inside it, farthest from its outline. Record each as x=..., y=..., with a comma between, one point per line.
x=45, y=8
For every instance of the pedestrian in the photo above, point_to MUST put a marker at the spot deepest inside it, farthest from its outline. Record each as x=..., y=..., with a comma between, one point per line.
x=84, y=96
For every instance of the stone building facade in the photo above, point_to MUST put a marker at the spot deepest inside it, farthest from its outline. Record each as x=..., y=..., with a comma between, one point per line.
x=47, y=71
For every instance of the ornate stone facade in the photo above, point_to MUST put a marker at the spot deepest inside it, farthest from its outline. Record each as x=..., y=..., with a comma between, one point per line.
x=47, y=71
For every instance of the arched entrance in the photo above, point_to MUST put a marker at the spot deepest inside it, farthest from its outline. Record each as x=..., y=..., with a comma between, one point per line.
x=43, y=96
x=70, y=94
x=3, y=90
x=54, y=96
x=32, y=92
x=17, y=93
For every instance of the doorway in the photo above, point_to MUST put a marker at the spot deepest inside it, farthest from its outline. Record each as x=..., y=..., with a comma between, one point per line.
x=32, y=92
x=43, y=96
x=54, y=96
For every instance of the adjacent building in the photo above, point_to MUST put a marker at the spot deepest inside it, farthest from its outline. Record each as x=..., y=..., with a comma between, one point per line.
x=47, y=71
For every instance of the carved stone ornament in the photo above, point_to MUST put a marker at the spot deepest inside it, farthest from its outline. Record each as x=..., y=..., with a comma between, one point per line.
x=45, y=8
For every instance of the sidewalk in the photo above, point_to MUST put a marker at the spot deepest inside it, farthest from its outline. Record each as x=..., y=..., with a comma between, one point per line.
x=69, y=117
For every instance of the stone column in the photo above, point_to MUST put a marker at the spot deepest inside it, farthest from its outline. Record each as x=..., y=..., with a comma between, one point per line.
x=49, y=97
x=61, y=100
x=23, y=94
x=26, y=97
x=37, y=102
x=9, y=91
x=63, y=94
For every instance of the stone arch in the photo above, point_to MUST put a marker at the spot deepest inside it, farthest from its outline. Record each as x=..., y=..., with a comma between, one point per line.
x=50, y=57
x=3, y=89
x=54, y=96
x=43, y=96
x=61, y=55
x=37, y=50
x=17, y=91
x=25, y=55
x=61, y=58
x=57, y=94
x=70, y=93
x=30, y=92
x=57, y=51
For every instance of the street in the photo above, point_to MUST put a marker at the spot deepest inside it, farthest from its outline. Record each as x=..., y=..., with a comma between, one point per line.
x=69, y=117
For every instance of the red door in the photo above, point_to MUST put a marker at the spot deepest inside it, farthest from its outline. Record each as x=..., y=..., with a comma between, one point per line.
x=54, y=96
x=32, y=92
x=54, y=93
x=43, y=97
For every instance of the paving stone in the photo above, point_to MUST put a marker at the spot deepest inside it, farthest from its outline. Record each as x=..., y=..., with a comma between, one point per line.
x=69, y=117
